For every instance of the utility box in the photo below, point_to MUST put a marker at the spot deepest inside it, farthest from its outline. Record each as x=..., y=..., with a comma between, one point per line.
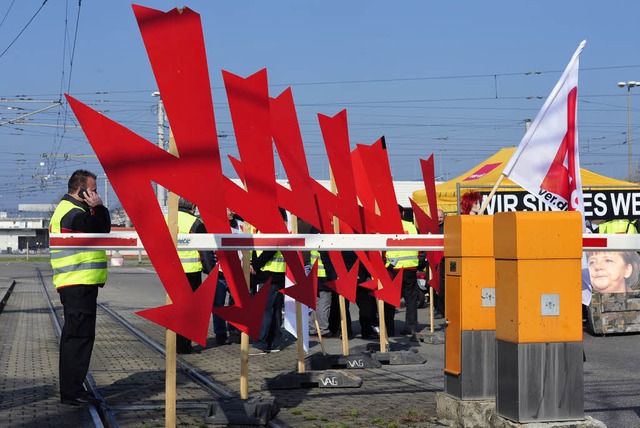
x=539, y=351
x=469, y=372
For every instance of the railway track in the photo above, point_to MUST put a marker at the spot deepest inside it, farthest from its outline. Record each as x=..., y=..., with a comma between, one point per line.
x=127, y=372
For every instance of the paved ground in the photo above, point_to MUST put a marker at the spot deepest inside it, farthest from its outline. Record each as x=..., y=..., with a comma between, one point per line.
x=131, y=377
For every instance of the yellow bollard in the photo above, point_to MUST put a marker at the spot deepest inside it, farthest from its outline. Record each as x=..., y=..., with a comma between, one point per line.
x=538, y=316
x=469, y=307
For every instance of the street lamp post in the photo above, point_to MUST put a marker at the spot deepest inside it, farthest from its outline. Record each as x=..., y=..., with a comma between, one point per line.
x=159, y=188
x=630, y=84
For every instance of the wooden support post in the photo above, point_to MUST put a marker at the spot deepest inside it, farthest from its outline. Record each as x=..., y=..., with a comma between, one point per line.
x=384, y=340
x=171, y=377
x=343, y=305
x=431, y=307
x=299, y=327
x=244, y=337
x=320, y=336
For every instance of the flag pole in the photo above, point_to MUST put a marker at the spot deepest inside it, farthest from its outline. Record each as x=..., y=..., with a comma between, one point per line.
x=493, y=192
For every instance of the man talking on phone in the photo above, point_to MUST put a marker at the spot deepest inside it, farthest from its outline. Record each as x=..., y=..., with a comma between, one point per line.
x=77, y=275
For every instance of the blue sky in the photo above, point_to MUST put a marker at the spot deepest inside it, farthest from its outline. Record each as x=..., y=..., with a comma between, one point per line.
x=456, y=78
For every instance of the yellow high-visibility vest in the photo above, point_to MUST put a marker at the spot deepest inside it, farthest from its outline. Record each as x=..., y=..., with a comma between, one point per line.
x=617, y=226
x=403, y=259
x=190, y=259
x=75, y=267
x=313, y=256
x=276, y=264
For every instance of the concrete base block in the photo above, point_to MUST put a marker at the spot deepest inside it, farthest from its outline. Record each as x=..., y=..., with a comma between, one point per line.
x=464, y=413
x=482, y=413
x=235, y=411
x=321, y=361
x=396, y=358
x=498, y=421
x=435, y=338
x=315, y=379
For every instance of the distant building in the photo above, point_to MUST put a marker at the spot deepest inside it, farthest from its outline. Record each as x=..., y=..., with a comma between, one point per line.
x=18, y=234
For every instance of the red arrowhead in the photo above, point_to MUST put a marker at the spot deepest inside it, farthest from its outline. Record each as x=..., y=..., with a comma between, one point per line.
x=198, y=305
x=238, y=315
x=347, y=281
x=434, y=258
x=391, y=289
x=305, y=289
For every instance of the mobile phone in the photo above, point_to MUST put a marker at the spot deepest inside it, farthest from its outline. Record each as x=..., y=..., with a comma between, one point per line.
x=82, y=193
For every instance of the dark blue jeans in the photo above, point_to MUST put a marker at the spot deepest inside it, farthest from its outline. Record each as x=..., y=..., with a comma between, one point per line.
x=270, y=332
x=219, y=324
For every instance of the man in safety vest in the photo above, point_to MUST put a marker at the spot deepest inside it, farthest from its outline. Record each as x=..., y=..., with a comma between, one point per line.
x=193, y=262
x=221, y=328
x=77, y=275
x=409, y=262
x=265, y=265
x=621, y=225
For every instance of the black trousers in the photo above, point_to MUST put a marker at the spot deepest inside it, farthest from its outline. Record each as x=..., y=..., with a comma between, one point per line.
x=367, y=310
x=78, y=336
x=335, y=319
x=271, y=328
x=439, y=297
x=410, y=295
x=183, y=344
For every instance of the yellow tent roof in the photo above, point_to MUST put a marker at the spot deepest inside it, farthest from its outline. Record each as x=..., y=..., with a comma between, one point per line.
x=483, y=176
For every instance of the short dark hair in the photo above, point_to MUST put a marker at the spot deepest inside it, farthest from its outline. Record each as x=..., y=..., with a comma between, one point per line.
x=79, y=179
x=185, y=204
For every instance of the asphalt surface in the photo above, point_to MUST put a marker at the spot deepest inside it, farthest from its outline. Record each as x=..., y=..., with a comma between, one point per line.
x=130, y=377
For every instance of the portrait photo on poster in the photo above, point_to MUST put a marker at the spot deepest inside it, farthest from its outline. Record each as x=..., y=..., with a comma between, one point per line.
x=613, y=271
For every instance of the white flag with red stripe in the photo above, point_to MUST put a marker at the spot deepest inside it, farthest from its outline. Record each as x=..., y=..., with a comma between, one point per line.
x=546, y=162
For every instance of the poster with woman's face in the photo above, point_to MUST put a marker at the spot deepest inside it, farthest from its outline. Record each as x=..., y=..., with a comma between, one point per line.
x=613, y=271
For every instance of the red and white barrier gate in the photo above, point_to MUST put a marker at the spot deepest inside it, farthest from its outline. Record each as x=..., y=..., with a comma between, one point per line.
x=304, y=242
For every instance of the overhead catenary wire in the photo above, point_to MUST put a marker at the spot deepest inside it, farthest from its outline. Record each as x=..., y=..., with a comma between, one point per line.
x=59, y=137
x=23, y=28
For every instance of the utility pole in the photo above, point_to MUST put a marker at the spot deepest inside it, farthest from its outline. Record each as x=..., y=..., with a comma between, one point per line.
x=160, y=191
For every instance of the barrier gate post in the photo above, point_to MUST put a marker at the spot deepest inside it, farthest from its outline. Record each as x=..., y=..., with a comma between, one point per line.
x=539, y=350
x=469, y=372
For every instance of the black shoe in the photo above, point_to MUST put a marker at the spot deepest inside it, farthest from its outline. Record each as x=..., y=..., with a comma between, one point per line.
x=184, y=351
x=80, y=401
x=406, y=333
x=221, y=339
x=371, y=336
x=414, y=338
x=349, y=336
x=234, y=337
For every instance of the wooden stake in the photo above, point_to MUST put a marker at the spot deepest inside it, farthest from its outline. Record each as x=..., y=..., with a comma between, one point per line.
x=320, y=336
x=171, y=377
x=431, y=307
x=341, y=300
x=384, y=341
x=244, y=337
x=299, y=329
